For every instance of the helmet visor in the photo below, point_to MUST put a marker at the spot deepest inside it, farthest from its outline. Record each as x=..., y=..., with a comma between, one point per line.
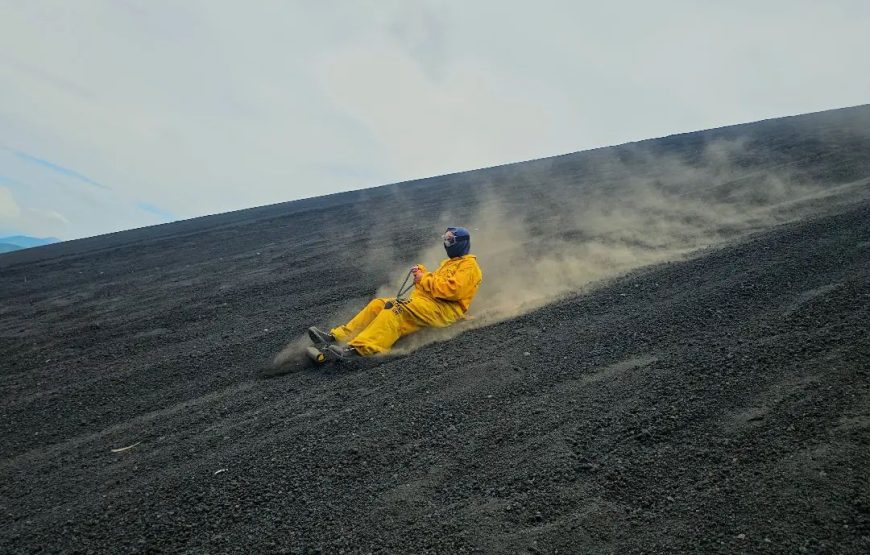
x=449, y=238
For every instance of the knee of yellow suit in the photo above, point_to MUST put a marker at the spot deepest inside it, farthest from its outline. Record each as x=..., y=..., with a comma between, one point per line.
x=359, y=322
x=384, y=331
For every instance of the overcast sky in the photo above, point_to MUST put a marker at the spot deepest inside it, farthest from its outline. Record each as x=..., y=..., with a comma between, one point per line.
x=122, y=113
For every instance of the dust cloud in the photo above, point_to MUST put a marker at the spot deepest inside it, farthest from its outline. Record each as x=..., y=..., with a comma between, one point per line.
x=291, y=356
x=558, y=238
x=543, y=230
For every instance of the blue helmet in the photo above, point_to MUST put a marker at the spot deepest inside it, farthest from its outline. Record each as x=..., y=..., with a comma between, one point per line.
x=457, y=241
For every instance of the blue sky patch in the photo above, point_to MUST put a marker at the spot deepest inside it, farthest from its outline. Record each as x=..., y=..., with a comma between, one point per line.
x=151, y=209
x=6, y=180
x=59, y=169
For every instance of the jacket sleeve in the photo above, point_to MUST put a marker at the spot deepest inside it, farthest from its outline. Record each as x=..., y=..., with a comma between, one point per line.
x=460, y=285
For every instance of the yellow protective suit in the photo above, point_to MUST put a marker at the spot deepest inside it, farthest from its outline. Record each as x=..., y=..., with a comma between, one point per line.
x=439, y=299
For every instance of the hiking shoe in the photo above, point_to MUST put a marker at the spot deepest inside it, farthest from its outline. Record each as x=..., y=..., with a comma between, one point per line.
x=344, y=353
x=320, y=337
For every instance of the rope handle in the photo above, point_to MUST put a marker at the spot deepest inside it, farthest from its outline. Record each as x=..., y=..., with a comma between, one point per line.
x=403, y=290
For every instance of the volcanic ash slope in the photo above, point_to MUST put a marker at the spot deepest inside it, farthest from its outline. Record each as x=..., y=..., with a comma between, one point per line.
x=670, y=353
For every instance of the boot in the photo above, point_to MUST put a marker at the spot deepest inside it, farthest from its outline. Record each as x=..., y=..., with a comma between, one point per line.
x=344, y=353
x=320, y=337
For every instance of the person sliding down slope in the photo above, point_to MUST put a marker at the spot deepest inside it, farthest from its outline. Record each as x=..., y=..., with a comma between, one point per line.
x=439, y=299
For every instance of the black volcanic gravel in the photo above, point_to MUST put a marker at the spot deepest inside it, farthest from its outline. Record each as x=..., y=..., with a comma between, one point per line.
x=718, y=404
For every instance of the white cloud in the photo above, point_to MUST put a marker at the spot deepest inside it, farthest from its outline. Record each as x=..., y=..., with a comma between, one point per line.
x=9, y=209
x=202, y=107
x=464, y=120
x=15, y=219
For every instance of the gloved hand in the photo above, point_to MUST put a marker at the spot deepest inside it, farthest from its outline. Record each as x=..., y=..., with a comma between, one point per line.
x=418, y=272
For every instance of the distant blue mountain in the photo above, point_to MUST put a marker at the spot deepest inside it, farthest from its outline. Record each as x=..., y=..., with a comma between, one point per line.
x=18, y=242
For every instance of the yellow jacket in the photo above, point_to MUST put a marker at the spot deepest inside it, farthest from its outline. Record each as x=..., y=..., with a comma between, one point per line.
x=443, y=296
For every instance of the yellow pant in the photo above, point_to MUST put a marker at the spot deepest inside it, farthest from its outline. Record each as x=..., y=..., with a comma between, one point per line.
x=376, y=328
